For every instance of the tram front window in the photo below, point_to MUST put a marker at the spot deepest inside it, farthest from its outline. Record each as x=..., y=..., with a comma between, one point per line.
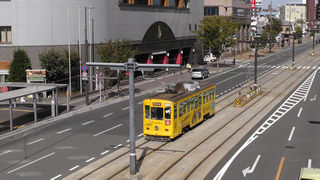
x=157, y=113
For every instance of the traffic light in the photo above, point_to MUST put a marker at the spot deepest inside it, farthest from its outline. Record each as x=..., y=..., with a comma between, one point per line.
x=255, y=34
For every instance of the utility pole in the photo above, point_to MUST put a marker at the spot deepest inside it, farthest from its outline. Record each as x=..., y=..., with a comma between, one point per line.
x=270, y=9
x=255, y=58
x=313, y=31
x=293, y=36
x=133, y=66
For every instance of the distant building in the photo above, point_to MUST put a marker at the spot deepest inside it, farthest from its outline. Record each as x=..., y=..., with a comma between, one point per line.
x=240, y=10
x=310, y=10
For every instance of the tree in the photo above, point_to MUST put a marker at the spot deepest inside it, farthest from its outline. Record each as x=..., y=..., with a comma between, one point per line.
x=216, y=33
x=56, y=64
x=276, y=28
x=118, y=51
x=18, y=66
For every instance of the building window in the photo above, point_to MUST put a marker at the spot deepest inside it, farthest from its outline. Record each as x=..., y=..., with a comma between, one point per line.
x=145, y=2
x=195, y=27
x=189, y=27
x=210, y=11
x=186, y=3
x=5, y=35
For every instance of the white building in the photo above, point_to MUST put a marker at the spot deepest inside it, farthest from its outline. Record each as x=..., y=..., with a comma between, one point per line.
x=154, y=26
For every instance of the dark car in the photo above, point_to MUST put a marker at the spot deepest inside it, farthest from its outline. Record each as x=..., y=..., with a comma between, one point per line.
x=199, y=73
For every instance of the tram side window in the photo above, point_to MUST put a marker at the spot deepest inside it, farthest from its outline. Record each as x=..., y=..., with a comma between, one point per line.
x=167, y=112
x=175, y=112
x=147, y=112
x=196, y=100
x=200, y=99
x=189, y=104
x=209, y=95
x=180, y=109
x=157, y=113
x=184, y=107
x=206, y=96
x=192, y=103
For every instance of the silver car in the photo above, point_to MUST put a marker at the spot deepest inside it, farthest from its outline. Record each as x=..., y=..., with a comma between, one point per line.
x=199, y=73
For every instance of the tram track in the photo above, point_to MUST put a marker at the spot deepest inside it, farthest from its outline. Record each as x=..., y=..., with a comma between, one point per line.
x=146, y=149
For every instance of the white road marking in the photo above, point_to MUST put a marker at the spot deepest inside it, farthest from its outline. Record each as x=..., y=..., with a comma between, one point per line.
x=299, y=112
x=291, y=134
x=140, y=102
x=107, y=115
x=35, y=141
x=90, y=159
x=104, y=152
x=31, y=162
x=6, y=152
x=56, y=177
x=250, y=170
x=74, y=168
x=229, y=78
x=128, y=140
x=140, y=135
x=64, y=131
x=309, y=163
x=87, y=123
x=117, y=146
x=125, y=108
x=107, y=130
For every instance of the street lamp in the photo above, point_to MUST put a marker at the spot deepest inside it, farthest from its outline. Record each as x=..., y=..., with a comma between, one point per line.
x=86, y=48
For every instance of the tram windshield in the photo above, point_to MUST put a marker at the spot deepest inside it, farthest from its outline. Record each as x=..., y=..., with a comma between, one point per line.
x=157, y=113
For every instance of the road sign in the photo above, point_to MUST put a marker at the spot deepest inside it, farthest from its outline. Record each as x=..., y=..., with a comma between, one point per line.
x=84, y=68
x=4, y=89
x=84, y=74
x=84, y=79
x=100, y=75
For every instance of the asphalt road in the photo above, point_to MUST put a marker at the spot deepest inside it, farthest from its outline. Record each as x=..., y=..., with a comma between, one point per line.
x=58, y=149
x=284, y=147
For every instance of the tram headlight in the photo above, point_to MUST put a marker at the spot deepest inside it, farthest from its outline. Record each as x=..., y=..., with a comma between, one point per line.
x=156, y=128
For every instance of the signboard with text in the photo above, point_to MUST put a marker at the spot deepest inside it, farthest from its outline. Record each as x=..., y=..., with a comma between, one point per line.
x=253, y=4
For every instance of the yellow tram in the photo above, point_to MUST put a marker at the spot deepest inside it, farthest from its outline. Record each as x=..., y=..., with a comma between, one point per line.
x=183, y=105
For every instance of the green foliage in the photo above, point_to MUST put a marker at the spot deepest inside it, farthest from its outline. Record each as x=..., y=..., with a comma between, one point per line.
x=18, y=66
x=56, y=64
x=118, y=51
x=216, y=33
x=298, y=31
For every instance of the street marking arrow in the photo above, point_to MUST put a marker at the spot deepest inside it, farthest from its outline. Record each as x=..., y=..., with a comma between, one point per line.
x=315, y=97
x=250, y=170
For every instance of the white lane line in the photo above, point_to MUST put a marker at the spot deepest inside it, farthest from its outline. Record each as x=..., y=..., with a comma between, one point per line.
x=74, y=168
x=64, y=131
x=6, y=152
x=291, y=134
x=140, y=135
x=56, y=177
x=299, y=112
x=125, y=108
x=83, y=124
x=90, y=159
x=128, y=140
x=35, y=141
x=118, y=146
x=107, y=130
x=31, y=162
x=107, y=115
x=140, y=102
x=309, y=163
x=104, y=152
x=229, y=78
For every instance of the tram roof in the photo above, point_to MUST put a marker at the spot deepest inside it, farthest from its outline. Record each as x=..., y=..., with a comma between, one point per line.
x=181, y=92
